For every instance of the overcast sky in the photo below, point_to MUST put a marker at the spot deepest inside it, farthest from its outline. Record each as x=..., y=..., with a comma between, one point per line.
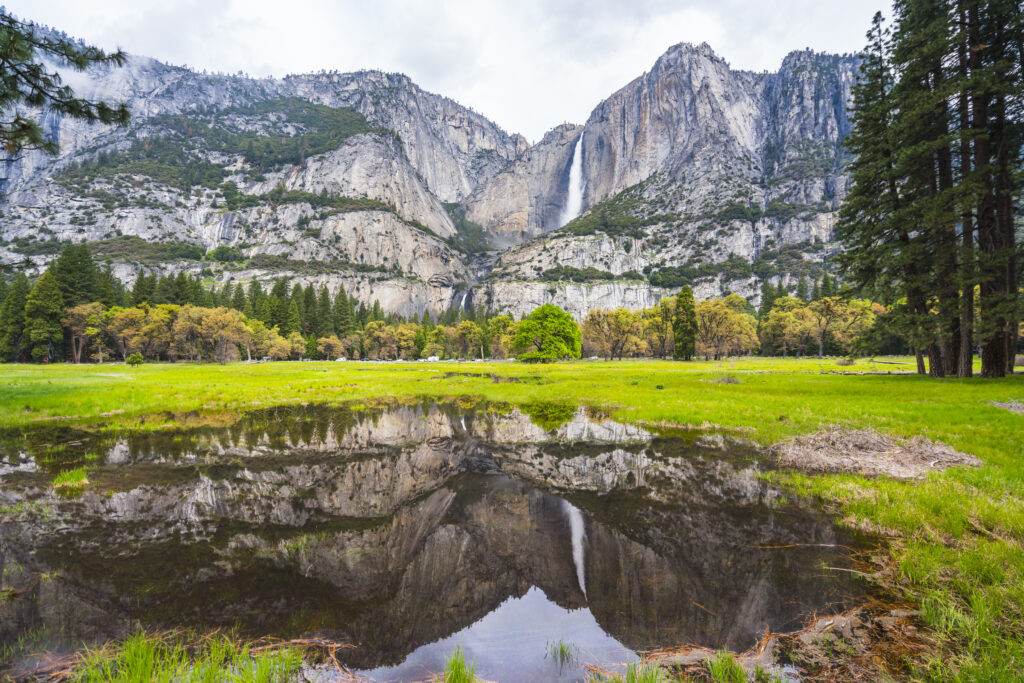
x=526, y=64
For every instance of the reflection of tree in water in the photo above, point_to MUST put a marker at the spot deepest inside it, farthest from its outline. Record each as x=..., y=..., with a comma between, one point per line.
x=365, y=523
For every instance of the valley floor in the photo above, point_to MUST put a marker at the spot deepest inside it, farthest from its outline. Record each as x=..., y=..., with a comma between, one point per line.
x=955, y=546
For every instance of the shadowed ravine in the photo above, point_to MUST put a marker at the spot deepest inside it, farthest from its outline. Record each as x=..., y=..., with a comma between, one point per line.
x=391, y=528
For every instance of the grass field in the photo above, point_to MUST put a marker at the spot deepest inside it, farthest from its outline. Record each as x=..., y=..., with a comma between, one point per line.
x=956, y=537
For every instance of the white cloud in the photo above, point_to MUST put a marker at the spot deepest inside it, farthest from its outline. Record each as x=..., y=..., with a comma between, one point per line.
x=528, y=65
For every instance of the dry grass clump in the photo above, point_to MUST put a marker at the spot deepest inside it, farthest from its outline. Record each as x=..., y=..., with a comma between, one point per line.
x=863, y=451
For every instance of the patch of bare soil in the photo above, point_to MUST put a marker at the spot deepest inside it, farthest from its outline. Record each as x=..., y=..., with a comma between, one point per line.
x=1012, y=406
x=874, y=642
x=862, y=451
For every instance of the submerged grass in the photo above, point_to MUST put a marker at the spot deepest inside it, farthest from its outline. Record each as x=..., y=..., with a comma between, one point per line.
x=956, y=536
x=563, y=653
x=158, y=658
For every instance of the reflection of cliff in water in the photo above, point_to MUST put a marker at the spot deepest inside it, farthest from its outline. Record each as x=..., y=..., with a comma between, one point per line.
x=393, y=528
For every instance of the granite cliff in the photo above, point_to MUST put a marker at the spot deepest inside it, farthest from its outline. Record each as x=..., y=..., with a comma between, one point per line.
x=692, y=173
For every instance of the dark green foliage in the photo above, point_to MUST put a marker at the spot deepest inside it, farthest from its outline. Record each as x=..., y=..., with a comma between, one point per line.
x=43, y=310
x=324, y=319
x=225, y=254
x=77, y=275
x=176, y=156
x=13, y=342
x=236, y=200
x=142, y=251
x=549, y=415
x=546, y=335
x=470, y=237
x=787, y=259
x=929, y=216
x=283, y=263
x=26, y=57
x=589, y=274
x=801, y=290
x=621, y=215
x=292, y=322
x=671, y=277
x=733, y=268
x=684, y=325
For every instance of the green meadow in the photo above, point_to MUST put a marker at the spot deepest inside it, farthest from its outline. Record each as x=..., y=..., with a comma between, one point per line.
x=954, y=539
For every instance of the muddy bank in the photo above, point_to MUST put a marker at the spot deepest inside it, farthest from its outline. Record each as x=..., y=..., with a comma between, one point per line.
x=874, y=642
x=863, y=451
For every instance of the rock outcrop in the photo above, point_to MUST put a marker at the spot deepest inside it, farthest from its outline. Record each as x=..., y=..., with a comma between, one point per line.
x=693, y=172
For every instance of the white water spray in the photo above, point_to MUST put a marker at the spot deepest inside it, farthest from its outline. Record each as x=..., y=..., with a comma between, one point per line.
x=577, y=183
x=462, y=304
x=578, y=533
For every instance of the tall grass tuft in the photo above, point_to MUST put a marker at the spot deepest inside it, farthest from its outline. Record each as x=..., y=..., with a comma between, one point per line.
x=166, y=659
x=71, y=479
x=456, y=670
x=724, y=668
x=637, y=672
x=644, y=673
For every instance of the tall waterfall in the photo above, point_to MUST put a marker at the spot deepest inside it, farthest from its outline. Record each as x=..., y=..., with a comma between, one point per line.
x=578, y=533
x=574, y=200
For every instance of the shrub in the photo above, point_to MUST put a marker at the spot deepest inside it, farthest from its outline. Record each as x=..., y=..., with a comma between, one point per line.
x=135, y=359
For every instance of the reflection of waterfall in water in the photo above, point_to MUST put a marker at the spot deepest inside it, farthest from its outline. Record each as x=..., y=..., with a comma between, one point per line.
x=578, y=533
x=574, y=199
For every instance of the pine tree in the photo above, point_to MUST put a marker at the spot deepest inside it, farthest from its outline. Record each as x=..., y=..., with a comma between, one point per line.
x=12, y=321
x=31, y=80
x=312, y=350
x=111, y=291
x=344, y=319
x=309, y=311
x=768, y=296
x=165, y=292
x=240, y=302
x=226, y=294
x=936, y=142
x=684, y=325
x=142, y=291
x=828, y=286
x=43, y=310
x=255, y=296
x=292, y=321
x=77, y=275
x=801, y=290
x=324, y=314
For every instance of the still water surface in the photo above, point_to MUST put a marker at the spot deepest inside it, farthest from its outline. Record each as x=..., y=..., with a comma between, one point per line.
x=409, y=529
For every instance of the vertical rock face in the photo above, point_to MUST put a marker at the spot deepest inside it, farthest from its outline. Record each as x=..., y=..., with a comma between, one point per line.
x=688, y=165
x=451, y=147
x=705, y=131
x=690, y=168
x=528, y=197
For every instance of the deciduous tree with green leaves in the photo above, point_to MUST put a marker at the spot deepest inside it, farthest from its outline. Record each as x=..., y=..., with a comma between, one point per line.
x=546, y=335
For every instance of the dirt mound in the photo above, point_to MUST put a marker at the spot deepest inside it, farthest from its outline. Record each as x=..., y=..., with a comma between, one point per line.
x=1012, y=406
x=862, y=451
